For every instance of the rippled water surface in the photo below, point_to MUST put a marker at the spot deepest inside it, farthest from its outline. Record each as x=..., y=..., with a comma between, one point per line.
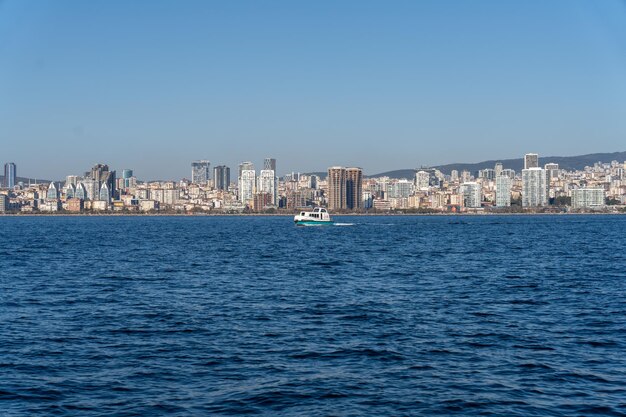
x=120, y=316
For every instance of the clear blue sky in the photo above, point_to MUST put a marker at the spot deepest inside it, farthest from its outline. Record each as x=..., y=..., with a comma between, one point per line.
x=152, y=85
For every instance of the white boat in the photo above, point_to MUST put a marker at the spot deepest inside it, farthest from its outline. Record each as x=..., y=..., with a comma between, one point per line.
x=318, y=217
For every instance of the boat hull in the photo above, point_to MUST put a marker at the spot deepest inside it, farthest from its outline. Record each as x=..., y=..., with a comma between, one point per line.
x=313, y=222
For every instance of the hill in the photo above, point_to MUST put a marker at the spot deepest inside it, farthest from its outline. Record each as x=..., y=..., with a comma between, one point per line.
x=565, y=162
x=25, y=180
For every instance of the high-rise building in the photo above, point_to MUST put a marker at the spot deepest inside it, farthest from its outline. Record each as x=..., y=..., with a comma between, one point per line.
x=92, y=189
x=69, y=190
x=454, y=175
x=336, y=188
x=10, y=174
x=105, y=193
x=534, y=187
x=472, y=194
x=221, y=177
x=552, y=171
x=508, y=173
x=592, y=197
x=267, y=185
x=354, y=188
x=487, y=174
x=81, y=192
x=71, y=180
x=200, y=172
x=422, y=180
x=127, y=175
x=503, y=191
x=498, y=168
x=531, y=160
x=52, y=193
x=100, y=174
x=345, y=188
x=247, y=180
x=269, y=163
x=401, y=189
x=4, y=203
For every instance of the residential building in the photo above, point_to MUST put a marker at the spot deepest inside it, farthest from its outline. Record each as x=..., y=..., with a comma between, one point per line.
x=4, y=203
x=127, y=175
x=200, y=172
x=75, y=205
x=336, y=188
x=221, y=177
x=422, y=180
x=531, y=160
x=498, y=169
x=534, y=187
x=247, y=182
x=52, y=193
x=588, y=198
x=503, y=191
x=472, y=194
x=552, y=171
x=354, y=188
x=267, y=185
x=10, y=174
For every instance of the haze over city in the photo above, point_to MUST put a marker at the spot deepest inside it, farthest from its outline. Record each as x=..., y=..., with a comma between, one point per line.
x=153, y=86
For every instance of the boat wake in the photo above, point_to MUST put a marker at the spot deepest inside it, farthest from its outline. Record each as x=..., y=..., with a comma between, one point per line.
x=344, y=224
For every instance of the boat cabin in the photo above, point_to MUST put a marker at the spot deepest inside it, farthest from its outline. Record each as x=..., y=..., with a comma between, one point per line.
x=317, y=213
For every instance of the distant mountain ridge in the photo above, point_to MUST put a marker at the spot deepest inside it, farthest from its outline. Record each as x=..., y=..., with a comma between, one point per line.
x=26, y=180
x=565, y=162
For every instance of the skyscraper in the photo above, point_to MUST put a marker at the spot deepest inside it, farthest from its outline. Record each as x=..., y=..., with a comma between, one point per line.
x=498, y=168
x=267, y=185
x=552, y=171
x=269, y=164
x=472, y=194
x=100, y=174
x=531, y=160
x=247, y=179
x=52, y=193
x=345, y=188
x=200, y=172
x=127, y=174
x=336, y=188
x=503, y=191
x=71, y=180
x=422, y=180
x=221, y=177
x=354, y=188
x=105, y=193
x=10, y=174
x=534, y=187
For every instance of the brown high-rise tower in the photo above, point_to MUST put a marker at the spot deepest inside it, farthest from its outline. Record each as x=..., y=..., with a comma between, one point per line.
x=345, y=187
x=354, y=188
x=336, y=188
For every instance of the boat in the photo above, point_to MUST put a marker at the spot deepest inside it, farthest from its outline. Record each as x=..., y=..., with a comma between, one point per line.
x=318, y=217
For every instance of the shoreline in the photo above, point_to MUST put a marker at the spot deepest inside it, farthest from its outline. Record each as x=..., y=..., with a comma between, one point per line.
x=292, y=214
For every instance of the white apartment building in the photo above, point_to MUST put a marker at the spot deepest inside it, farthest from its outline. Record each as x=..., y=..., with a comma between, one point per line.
x=588, y=198
x=534, y=187
x=503, y=191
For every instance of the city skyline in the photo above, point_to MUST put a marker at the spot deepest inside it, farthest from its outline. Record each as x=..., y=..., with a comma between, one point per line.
x=522, y=161
x=534, y=188
x=357, y=83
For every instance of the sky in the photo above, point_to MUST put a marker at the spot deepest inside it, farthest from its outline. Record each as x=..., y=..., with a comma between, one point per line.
x=154, y=85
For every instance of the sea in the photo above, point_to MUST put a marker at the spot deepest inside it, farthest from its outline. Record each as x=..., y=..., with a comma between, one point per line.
x=251, y=315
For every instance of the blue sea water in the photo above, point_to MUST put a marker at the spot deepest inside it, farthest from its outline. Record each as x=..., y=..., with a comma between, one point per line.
x=185, y=316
